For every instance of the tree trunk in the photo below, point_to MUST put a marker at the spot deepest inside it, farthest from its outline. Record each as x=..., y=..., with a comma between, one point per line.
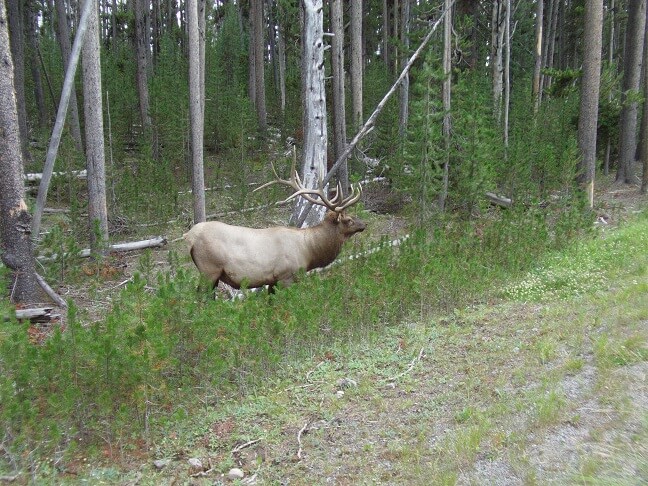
x=386, y=44
x=537, y=53
x=644, y=119
x=447, y=84
x=356, y=64
x=141, y=49
x=63, y=34
x=95, y=153
x=507, y=72
x=587, y=121
x=281, y=48
x=339, y=111
x=31, y=31
x=18, y=55
x=315, y=131
x=195, y=113
x=497, y=52
x=404, y=87
x=256, y=13
x=15, y=219
x=631, y=77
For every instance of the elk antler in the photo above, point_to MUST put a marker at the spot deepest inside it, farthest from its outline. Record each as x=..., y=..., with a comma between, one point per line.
x=337, y=203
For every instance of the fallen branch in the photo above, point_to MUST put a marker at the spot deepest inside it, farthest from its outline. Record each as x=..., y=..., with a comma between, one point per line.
x=39, y=314
x=299, y=434
x=502, y=201
x=410, y=367
x=156, y=242
x=50, y=292
x=239, y=448
x=37, y=177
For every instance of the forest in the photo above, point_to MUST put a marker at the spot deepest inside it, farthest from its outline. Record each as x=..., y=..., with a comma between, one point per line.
x=172, y=312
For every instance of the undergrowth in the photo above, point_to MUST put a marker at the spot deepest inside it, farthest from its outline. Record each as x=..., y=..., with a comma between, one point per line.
x=162, y=349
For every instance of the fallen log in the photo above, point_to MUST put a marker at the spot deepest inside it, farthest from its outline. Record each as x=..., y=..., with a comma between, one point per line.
x=156, y=242
x=36, y=177
x=39, y=314
x=502, y=201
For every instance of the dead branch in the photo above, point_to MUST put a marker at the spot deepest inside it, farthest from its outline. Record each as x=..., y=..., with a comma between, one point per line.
x=37, y=176
x=156, y=242
x=502, y=201
x=410, y=367
x=239, y=448
x=40, y=314
x=56, y=298
x=301, y=431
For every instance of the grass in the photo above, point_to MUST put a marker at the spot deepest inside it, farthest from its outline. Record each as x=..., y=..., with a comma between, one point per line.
x=402, y=396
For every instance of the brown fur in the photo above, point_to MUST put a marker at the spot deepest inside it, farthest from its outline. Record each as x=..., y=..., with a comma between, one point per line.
x=236, y=254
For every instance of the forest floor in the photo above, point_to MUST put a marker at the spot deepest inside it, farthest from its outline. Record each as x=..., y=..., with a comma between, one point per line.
x=506, y=392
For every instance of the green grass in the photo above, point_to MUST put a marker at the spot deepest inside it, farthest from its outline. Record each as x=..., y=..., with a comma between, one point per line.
x=169, y=373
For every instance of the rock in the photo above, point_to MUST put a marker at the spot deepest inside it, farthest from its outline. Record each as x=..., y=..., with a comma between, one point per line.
x=195, y=463
x=347, y=383
x=161, y=463
x=235, y=473
x=339, y=394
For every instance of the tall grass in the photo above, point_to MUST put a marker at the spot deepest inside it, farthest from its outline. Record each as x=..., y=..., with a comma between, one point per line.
x=162, y=345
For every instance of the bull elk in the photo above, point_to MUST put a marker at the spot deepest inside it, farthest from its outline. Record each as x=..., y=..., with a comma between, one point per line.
x=238, y=255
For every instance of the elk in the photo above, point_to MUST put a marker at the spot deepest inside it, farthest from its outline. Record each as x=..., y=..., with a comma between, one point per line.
x=237, y=255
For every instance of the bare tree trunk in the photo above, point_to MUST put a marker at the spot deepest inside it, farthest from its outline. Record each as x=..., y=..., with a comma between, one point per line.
x=631, y=78
x=17, y=52
x=315, y=131
x=611, y=47
x=95, y=153
x=507, y=72
x=141, y=49
x=32, y=50
x=587, y=121
x=195, y=113
x=644, y=119
x=537, y=75
x=281, y=48
x=63, y=33
x=497, y=50
x=338, y=93
x=447, y=84
x=256, y=12
x=15, y=220
x=386, y=45
x=404, y=87
x=356, y=65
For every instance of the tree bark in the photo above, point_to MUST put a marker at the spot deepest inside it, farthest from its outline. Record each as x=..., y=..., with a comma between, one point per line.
x=256, y=12
x=497, y=53
x=356, y=64
x=644, y=134
x=537, y=53
x=404, y=87
x=447, y=85
x=17, y=52
x=95, y=151
x=281, y=54
x=195, y=113
x=589, y=96
x=386, y=43
x=141, y=50
x=631, y=77
x=338, y=93
x=315, y=131
x=33, y=49
x=15, y=220
x=63, y=34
